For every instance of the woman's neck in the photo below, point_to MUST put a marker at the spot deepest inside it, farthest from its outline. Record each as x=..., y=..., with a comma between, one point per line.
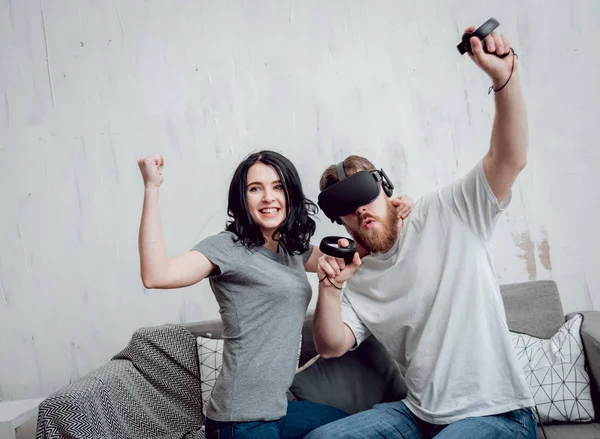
x=270, y=243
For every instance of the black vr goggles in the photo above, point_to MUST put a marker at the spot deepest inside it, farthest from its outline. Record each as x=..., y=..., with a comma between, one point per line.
x=349, y=193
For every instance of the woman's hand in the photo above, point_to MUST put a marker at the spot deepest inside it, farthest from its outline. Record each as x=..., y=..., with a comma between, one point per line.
x=151, y=168
x=403, y=205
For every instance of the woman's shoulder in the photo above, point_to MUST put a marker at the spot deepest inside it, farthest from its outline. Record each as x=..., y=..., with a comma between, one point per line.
x=226, y=235
x=223, y=240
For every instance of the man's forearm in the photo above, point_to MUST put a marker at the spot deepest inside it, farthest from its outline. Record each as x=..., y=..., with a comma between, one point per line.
x=328, y=327
x=510, y=131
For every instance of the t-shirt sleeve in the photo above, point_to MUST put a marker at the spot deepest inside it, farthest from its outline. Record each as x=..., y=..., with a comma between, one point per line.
x=471, y=199
x=350, y=318
x=221, y=250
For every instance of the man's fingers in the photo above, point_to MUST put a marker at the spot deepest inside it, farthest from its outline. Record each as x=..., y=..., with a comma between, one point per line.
x=490, y=43
x=356, y=261
x=498, y=43
x=505, y=42
x=469, y=29
x=343, y=242
x=327, y=269
x=477, y=47
x=333, y=264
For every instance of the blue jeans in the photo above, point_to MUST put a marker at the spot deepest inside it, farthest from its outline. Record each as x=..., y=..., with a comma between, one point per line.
x=394, y=420
x=301, y=418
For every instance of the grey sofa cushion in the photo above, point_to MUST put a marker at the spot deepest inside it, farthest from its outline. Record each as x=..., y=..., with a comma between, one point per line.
x=208, y=329
x=571, y=431
x=533, y=308
x=354, y=382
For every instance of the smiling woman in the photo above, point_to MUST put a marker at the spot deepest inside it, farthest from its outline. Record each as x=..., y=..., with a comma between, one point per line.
x=257, y=271
x=267, y=205
x=266, y=200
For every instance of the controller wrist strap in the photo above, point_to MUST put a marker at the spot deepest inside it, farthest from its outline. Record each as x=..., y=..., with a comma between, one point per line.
x=511, y=73
x=330, y=282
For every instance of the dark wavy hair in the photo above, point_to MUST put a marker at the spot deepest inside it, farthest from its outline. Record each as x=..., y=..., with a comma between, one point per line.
x=298, y=227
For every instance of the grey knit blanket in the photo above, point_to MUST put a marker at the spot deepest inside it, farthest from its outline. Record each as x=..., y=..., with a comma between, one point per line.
x=150, y=390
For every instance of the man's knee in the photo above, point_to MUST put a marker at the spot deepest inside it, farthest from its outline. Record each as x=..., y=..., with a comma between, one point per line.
x=323, y=432
x=340, y=429
x=383, y=420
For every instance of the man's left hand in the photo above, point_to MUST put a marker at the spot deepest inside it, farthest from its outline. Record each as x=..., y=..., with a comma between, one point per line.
x=498, y=69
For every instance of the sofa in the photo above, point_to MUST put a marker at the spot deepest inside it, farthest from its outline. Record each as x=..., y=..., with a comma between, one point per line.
x=152, y=389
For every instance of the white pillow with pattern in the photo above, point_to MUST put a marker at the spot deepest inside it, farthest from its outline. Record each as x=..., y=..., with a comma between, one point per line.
x=556, y=373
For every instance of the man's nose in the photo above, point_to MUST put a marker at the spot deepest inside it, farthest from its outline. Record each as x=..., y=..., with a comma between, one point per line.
x=360, y=210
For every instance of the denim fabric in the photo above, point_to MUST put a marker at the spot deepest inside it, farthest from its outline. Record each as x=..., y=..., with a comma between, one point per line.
x=395, y=421
x=301, y=418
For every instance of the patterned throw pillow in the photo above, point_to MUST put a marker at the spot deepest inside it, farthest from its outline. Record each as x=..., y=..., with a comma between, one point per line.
x=210, y=355
x=555, y=371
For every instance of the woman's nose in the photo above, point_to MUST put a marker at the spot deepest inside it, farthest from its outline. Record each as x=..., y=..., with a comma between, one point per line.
x=268, y=195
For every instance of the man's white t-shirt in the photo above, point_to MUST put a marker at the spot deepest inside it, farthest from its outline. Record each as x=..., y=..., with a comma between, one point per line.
x=434, y=302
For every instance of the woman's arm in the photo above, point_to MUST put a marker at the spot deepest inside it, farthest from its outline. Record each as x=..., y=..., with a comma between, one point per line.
x=156, y=270
x=311, y=264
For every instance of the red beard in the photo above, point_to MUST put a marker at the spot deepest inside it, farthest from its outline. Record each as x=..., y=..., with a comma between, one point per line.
x=382, y=237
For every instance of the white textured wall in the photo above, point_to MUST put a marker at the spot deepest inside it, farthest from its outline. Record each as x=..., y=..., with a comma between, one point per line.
x=88, y=87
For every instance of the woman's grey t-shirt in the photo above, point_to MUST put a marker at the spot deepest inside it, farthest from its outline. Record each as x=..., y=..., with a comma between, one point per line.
x=263, y=297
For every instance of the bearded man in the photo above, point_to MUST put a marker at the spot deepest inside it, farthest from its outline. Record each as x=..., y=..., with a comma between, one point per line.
x=426, y=288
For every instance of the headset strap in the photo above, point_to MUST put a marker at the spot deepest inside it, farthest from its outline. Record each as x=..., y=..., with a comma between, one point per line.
x=340, y=171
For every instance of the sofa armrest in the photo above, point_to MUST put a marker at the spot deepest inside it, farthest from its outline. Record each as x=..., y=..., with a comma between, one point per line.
x=590, y=335
x=151, y=389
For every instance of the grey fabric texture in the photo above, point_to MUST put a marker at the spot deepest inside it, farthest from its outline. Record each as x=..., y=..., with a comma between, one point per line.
x=214, y=329
x=207, y=328
x=308, y=350
x=263, y=297
x=354, y=382
x=149, y=390
x=590, y=334
x=571, y=431
x=533, y=308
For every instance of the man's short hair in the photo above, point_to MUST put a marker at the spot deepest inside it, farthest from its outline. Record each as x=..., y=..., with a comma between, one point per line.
x=352, y=165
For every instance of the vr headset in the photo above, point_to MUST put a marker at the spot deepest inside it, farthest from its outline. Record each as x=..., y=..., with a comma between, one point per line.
x=349, y=193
